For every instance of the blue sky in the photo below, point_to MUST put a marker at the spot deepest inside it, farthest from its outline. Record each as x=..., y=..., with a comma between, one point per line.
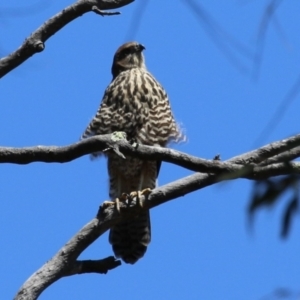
x=201, y=246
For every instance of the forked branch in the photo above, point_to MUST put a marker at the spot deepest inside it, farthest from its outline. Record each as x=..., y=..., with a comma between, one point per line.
x=65, y=262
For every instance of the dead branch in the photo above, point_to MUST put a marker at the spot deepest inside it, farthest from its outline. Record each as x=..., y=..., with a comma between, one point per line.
x=65, y=263
x=283, y=157
x=36, y=41
x=279, y=151
x=100, y=266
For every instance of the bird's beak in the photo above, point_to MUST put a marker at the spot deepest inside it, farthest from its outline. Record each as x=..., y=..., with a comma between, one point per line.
x=141, y=47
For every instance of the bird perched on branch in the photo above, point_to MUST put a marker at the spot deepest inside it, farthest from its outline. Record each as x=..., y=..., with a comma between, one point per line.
x=137, y=104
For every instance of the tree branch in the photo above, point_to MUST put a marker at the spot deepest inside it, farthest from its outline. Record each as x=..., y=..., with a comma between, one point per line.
x=101, y=266
x=278, y=150
x=35, y=42
x=270, y=150
x=283, y=157
x=65, y=263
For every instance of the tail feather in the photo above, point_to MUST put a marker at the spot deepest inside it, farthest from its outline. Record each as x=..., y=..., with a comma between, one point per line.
x=130, y=239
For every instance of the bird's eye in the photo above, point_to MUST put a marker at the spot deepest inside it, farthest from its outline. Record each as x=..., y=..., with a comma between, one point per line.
x=125, y=52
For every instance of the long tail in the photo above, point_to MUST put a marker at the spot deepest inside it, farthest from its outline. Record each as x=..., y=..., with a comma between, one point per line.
x=130, y=239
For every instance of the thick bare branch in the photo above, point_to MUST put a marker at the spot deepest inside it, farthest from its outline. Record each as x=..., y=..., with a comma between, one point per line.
x=99, y=143
x=65, y=263
x=35, y=42
x=54, y=154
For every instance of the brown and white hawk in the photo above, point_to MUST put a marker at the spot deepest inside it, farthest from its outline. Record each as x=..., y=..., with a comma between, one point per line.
x=137, y=104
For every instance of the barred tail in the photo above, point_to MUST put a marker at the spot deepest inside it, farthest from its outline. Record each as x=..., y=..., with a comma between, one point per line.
x=130, y=239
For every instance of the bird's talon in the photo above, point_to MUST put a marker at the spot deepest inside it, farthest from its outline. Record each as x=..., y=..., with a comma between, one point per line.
x=146, y=192
x=133, y=194
x=117, y=202
x=136, y=194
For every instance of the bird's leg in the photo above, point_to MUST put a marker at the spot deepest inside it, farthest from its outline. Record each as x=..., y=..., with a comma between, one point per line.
x=116, y=202
x=124, y=197
x=138, y=194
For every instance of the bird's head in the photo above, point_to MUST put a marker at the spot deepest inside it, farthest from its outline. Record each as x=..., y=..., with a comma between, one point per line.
x=128, y=56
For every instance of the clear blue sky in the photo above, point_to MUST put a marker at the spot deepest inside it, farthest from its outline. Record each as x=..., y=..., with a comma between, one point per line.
x=201, y=246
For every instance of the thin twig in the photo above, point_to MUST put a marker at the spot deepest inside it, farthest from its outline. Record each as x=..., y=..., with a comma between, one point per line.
x=102, y=13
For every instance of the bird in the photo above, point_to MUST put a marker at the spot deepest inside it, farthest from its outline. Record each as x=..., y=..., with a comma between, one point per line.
x=137, y=104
